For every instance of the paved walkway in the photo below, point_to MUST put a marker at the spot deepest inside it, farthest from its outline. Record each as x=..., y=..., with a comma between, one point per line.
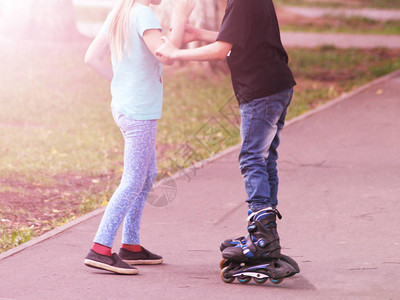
x=95, y=3
x=339, y=196
x=307, y=40
x=312, y=12
x=370, y=13
x=300, y=39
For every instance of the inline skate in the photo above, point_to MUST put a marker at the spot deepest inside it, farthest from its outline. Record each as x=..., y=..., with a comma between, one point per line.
x=258, y=254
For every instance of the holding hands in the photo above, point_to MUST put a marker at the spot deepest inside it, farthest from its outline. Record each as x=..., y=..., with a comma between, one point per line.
x=181, y=14
x=167, y=49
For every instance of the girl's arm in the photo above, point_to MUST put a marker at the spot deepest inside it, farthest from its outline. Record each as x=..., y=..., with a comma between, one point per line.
x=215, y=51
x=180, y=16
x=97, y=54
x=152, y=37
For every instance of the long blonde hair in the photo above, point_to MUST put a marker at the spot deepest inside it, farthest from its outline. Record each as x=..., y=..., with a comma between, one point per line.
x=119, y=28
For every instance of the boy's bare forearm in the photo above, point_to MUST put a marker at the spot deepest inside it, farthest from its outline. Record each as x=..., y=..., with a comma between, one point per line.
x=207, y=35
x=213, y=51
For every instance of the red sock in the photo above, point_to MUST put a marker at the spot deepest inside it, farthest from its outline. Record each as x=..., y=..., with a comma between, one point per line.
x=132, y=248
x=101, y=249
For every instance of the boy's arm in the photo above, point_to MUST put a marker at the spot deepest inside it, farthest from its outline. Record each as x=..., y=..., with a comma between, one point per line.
x=208, y=36
x=215, y=51
x=196, y=34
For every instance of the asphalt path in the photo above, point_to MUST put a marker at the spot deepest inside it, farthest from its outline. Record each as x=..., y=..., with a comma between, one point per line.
x=306, y=39
x=300, y=39
x=369, y=13
x=339, y=196
x=310, y=12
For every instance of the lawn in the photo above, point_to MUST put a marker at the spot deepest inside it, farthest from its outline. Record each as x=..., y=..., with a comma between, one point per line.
x=61, y=153
x=337, y=24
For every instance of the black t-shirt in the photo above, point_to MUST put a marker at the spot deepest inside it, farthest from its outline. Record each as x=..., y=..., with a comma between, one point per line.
x=258, y=62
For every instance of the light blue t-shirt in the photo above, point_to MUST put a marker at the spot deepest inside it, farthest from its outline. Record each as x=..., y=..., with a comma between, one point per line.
x=137, y=88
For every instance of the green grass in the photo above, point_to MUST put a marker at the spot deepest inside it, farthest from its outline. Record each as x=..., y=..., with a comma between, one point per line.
x=353, y=25
x=42, y=109
x=327, y=72
x=59, y=144
x=10, y=237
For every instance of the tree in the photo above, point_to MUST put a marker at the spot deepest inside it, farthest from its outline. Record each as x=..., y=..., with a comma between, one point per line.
x=50, y=20
x=207, y=13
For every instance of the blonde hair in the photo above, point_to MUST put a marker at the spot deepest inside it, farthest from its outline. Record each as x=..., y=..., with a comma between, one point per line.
x=119, y=28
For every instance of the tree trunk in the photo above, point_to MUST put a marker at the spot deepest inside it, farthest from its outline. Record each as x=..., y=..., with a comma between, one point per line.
x=49, y=20
x=207, y=14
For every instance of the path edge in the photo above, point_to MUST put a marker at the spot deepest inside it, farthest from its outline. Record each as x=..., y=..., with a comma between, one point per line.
x=200, y=164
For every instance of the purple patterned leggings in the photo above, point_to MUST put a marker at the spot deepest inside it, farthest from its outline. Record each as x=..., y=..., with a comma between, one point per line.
x=140, y=171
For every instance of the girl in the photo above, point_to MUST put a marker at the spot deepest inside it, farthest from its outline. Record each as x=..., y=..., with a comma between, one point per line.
x=132, y=33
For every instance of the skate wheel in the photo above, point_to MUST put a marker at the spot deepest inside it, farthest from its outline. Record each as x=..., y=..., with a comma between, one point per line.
x=221, y=264
x=244, y=279
x=224, y=278
x=260, y=280
x=276, y=281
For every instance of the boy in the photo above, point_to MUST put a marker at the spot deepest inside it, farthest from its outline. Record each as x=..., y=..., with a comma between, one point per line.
x=263, y=83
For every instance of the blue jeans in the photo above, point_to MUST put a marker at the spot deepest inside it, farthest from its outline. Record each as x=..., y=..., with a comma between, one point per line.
x=262, y=121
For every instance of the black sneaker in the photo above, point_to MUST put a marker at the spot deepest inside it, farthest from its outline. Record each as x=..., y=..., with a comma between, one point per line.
x=143, y=257
x=111, y=263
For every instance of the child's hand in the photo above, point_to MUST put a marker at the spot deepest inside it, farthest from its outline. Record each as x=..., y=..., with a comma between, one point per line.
x=191, y=34
x=184, y=7
x=167, y=49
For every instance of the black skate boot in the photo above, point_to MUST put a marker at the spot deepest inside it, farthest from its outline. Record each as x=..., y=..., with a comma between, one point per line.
x=257, y=255
x=232, y=243
x=262, y=242
x=241, y=240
